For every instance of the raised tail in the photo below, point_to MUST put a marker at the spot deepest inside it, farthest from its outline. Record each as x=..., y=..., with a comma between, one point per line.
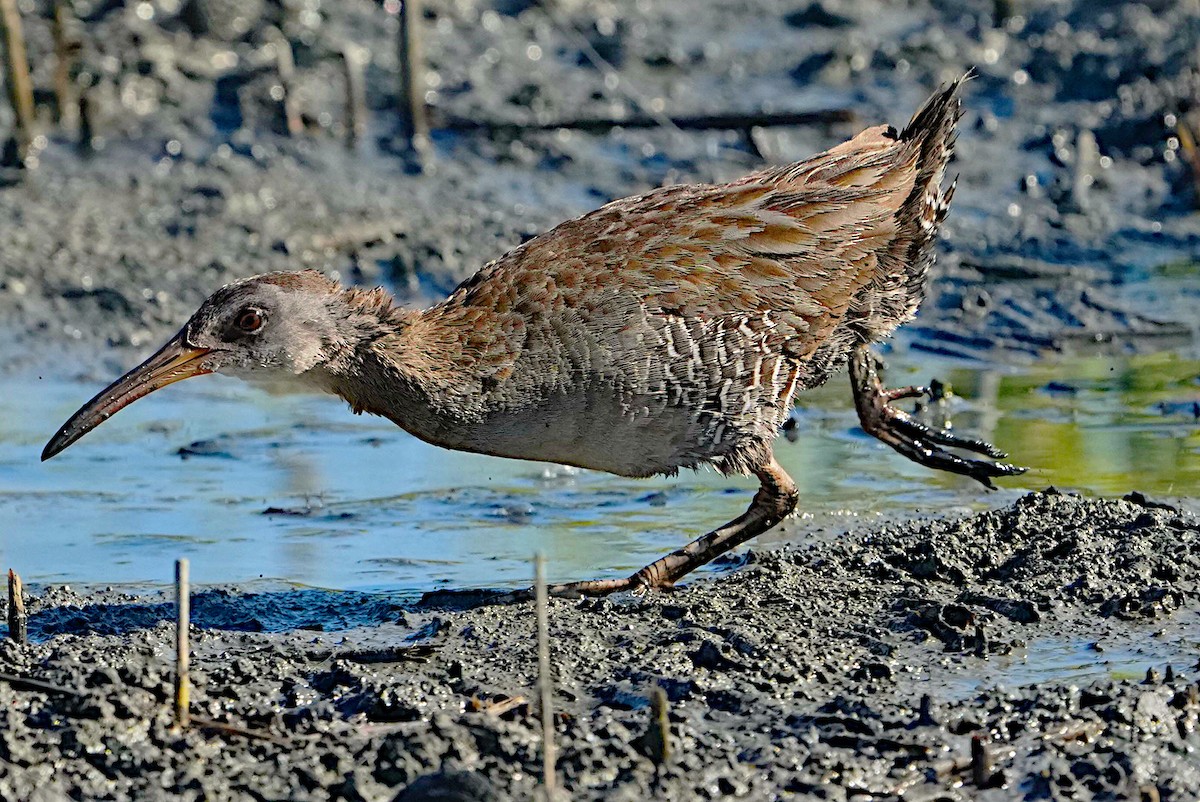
x=932, y=131
x=920, y=153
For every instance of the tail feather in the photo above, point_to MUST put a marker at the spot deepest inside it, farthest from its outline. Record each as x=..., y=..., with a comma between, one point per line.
x=932, y=131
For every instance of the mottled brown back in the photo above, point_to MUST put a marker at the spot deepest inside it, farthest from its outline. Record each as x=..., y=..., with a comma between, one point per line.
x=673, y=328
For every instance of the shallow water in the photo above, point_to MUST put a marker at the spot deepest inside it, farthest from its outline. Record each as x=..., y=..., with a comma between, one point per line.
x=1114, y=650
x=356, y=503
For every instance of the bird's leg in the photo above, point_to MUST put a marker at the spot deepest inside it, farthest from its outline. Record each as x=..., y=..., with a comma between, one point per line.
x=913, y=439
x=773, y=502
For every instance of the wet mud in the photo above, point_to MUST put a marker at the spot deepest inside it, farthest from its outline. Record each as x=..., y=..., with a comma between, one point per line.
x=1045, y=650
x=869, y=666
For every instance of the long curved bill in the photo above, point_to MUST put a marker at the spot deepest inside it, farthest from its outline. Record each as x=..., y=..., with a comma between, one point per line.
x=174, y=362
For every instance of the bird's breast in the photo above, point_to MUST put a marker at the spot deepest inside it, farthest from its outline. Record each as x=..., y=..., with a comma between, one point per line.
x=593, y=426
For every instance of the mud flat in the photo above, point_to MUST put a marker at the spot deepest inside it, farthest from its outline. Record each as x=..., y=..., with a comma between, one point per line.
x=1046, y=650
x=865, y=667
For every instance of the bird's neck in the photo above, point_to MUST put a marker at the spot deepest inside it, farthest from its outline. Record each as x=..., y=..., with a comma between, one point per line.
x=392, y=365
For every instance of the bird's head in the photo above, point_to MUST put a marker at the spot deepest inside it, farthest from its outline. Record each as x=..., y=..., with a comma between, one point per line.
x=271, y=328
x=284, y=329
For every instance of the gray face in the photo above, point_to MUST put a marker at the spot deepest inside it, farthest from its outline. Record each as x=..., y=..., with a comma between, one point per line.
x=278, y=329
x=266, y=329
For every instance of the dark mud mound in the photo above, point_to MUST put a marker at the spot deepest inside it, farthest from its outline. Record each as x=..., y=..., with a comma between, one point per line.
x=827, y=671
x=1045, y=550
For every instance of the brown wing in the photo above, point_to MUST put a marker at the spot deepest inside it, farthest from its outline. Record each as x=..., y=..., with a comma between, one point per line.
x=797, y=242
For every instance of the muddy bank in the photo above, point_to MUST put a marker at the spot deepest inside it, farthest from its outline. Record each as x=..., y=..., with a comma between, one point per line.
x=834, y=670
x=804, y=671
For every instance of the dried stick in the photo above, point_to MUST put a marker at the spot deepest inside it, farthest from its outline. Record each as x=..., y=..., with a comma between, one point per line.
x=549, y=779
x=36, y=685
x=17, y=620
x=981, y=762
x=65, y=49
x=245, y=732
x=356, y=94
x=285, y=66
x=702, y=122
x=182, y=650
x=655, y=742
x=611, y=76
x=412, y=76
x=87, y=125
x=20, y=88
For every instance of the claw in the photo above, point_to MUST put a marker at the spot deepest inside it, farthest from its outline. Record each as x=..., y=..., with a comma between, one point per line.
x=910, y=437
x=945, y=437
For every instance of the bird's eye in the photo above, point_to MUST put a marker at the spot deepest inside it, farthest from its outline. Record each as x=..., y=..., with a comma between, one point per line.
x=250, y=320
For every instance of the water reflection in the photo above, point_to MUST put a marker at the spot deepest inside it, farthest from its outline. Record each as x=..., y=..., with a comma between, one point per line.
x=357, y=503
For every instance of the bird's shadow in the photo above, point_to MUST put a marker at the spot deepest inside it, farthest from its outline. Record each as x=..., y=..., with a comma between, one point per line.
x=239, y=610
x=221, y=609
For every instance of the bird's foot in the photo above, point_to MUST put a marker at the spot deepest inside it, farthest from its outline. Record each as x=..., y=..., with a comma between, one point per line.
x=913, y=439
x=640, y=584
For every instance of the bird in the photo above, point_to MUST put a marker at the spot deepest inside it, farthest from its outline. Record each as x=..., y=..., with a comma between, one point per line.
x=665, y=331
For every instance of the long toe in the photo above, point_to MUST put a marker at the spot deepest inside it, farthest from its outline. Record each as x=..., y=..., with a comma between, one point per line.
x=920, y=443
x=906, y=424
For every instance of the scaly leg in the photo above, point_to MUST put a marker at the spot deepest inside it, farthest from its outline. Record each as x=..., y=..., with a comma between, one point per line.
x=909, y=436
x=773, y=502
